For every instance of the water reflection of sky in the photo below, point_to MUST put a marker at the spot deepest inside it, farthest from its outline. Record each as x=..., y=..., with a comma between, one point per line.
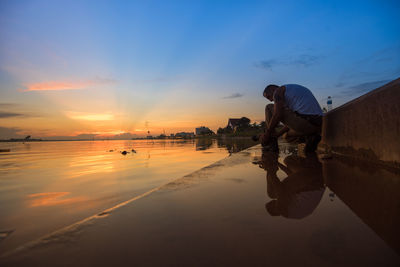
x=252, y=208
x=62, y=182
x=83, y=165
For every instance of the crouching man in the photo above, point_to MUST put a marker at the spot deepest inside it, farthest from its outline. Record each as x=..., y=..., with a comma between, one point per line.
x=296, y=107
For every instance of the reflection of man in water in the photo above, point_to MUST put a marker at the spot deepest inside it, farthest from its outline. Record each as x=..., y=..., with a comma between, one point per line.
x=297, y=195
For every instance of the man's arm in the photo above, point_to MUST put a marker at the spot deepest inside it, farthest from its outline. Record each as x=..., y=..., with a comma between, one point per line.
x=285, y=129
x=284, y=169
x=279, y=103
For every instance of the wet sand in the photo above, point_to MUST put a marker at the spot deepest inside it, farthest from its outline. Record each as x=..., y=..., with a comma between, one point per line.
x=249, y=209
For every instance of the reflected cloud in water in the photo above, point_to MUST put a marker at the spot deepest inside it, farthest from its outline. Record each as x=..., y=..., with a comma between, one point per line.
x=52, y=199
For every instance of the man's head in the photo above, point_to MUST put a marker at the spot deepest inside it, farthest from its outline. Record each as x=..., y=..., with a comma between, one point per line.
x=269, y=91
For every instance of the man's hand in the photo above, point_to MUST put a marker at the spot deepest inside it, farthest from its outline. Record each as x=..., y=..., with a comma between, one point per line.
x=264, y=138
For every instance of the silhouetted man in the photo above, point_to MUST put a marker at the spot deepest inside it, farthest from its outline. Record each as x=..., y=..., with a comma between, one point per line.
x=296, y=107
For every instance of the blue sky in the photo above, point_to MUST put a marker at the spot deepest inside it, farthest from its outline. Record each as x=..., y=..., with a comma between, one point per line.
x=98, y=67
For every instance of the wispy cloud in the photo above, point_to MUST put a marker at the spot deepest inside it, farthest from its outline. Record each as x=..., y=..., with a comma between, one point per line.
x=13, y=132
x=5, y=114
x=304, y=60
x=235, y=95
x=267, y=64
x=8, y=105
x=159, y=79
x=66, y=85
x=12, y=110
x=361, y=88
x=340, y=84
x=387, y=54
x=379, y=65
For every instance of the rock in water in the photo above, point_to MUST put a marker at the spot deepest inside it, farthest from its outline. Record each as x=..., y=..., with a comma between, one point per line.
x=4, y=234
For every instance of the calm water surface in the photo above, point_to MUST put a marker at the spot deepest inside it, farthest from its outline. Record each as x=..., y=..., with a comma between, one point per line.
x=252, y=208
x=48, y=185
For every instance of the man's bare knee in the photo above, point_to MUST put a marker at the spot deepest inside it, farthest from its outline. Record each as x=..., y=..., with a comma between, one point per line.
x=291, y=136
x=287, y=137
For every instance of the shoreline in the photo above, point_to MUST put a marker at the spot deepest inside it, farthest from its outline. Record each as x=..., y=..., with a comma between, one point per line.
x=138, y=139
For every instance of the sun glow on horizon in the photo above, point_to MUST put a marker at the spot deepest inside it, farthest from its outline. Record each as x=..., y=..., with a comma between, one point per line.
x=90, y=116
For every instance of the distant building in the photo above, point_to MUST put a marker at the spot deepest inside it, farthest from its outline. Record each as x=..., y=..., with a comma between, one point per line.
x=184, y=135
x=203, y=130
x=233, y=123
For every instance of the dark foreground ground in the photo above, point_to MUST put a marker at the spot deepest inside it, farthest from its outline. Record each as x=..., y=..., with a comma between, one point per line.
x=250, y=209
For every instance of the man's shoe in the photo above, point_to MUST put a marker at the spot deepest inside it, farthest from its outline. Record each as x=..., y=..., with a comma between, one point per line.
x=272, y=145
x=312, y=143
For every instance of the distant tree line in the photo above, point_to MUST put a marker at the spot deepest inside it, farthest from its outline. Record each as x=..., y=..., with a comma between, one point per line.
x=243, y=127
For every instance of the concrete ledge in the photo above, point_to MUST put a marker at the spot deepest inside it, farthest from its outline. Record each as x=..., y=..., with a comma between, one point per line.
x=367, y=127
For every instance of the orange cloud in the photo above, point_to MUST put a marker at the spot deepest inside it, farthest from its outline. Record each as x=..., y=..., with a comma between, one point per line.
x=56, y=86
x=62, y=85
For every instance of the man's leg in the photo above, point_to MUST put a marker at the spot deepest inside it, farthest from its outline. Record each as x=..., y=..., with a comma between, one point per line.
x=299, y=125
x=301, y=128
x=292, y=136
x=269, y=111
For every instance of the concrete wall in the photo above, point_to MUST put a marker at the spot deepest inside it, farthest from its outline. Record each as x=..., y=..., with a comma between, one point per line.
x=367, y=127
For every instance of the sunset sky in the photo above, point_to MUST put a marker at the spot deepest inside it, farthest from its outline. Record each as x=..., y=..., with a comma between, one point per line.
x=102, y=68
